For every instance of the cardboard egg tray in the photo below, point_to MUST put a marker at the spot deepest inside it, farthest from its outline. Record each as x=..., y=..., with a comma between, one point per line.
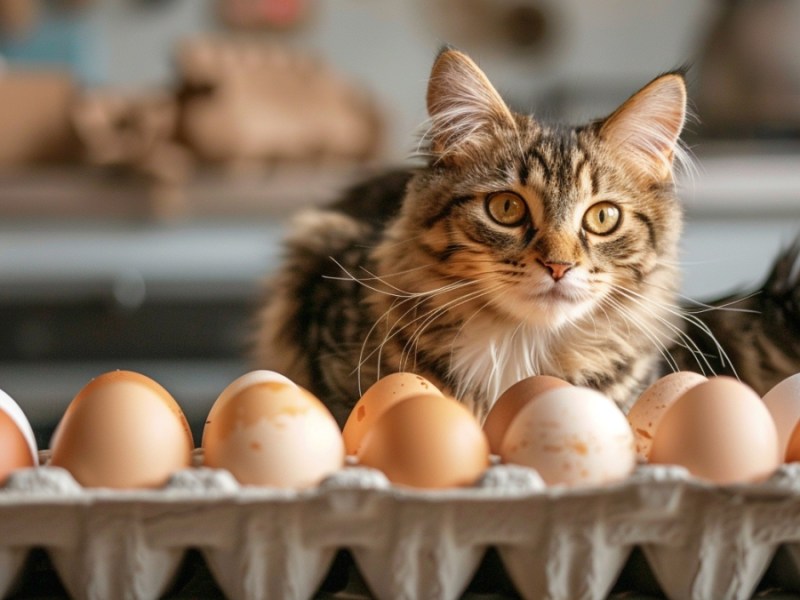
x=699, y=540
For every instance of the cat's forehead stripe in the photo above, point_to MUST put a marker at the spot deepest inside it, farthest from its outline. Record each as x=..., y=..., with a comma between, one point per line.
x=564, y=165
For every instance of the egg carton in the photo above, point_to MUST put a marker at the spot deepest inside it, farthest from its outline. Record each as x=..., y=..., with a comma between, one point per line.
x=700, y=541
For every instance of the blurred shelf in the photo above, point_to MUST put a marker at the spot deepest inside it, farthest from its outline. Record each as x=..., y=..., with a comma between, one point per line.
x=736, y=178
x=84, y=192
x=743, y=179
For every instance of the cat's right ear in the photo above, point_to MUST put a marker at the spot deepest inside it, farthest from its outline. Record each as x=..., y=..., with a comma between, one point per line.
x=465, y=109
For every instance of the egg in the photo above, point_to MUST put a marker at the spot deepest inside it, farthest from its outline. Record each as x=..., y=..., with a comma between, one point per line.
x=17, y=415
x=573, y=436
x=720, y=431
x=381, y=395
x=242, y=382
x=17, y=442
x=651, y=405
x=427, y=441
x=272, y=433
x=122, y=430
x=511, y=401
x=783, y=403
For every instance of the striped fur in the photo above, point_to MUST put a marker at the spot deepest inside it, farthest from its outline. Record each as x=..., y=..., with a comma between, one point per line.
x=415, y=270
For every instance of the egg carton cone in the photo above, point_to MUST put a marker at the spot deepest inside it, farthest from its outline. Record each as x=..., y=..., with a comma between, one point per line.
x=699, y=540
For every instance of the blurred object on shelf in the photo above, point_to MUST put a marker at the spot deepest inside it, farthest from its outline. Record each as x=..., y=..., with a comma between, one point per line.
x=749, y=84
x=17, y=17
x=138, y=131
x=254, y=14
x=54, y=34
x=237, y=106
x=503, y=26
x=35, y=118
x=245, y=102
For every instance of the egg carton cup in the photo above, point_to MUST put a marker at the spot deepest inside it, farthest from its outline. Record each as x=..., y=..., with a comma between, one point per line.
x=700, y=540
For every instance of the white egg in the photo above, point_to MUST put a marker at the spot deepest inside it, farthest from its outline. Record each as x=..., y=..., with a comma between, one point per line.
x=571, y=436
x=13, y=410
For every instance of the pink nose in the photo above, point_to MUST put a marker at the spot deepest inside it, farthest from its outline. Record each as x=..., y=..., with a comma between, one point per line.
x=558, y=268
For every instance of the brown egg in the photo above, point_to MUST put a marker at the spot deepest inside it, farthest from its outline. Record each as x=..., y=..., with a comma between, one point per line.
x=427, y=441
x=793, y=445
x=381, y=395
x=122, y=430
x=646, y=413
x=719, y=430
x=511, y=402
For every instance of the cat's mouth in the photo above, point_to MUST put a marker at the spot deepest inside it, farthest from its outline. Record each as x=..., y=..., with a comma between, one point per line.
x=559, y=292
x=552, y=305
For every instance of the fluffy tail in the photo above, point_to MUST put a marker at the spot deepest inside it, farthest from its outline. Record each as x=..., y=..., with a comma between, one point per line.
x=758, y=331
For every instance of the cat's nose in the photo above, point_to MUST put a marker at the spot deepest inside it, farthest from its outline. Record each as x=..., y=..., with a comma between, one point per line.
x=557, y=268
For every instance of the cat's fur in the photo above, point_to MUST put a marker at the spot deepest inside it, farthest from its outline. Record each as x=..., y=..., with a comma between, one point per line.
x=415, y=270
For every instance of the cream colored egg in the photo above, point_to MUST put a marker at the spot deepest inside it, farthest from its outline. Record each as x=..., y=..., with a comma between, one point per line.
x=572, y=436
x=122, y=430
x=241, y=383
x=511, y=401
x=720, y=431
x=380, y=396
x=647, y=411
x=783, y=403
x=427, y=441
x=273, y=433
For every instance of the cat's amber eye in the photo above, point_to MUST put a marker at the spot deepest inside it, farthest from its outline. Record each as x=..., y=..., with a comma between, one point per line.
x=602, y=218
x=506, y=208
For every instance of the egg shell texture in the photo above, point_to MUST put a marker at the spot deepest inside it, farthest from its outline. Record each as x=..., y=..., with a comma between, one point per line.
x=122, y=430
x=241, y=383
x=381, y=395
x=274, y=434
x=511, y=402
x=427, y=441
x=571, y=436
x=783, y=403
x=720, y=431
x=647, y=411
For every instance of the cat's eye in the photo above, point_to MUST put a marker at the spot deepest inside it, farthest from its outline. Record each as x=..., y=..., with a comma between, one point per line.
x=602, y=218
x=506, y=208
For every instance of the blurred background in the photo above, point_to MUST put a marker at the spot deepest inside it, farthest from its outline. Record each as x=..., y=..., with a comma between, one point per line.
x=151, y=150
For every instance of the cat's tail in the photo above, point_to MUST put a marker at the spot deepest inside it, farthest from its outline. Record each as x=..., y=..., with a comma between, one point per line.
x=759, y=331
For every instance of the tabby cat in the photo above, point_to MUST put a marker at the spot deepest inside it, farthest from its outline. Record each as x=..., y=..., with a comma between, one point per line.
x=519, y=248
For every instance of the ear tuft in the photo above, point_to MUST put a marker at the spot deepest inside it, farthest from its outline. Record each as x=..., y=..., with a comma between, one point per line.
x=646, y=128
x=465, y=109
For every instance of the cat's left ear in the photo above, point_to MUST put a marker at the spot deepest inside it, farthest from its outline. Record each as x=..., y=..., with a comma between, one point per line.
x=646, y=128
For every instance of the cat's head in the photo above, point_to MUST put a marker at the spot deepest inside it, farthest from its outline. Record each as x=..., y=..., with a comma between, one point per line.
x=551, y=222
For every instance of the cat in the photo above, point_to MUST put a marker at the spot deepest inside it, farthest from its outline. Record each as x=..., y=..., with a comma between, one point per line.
x=518, y=248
